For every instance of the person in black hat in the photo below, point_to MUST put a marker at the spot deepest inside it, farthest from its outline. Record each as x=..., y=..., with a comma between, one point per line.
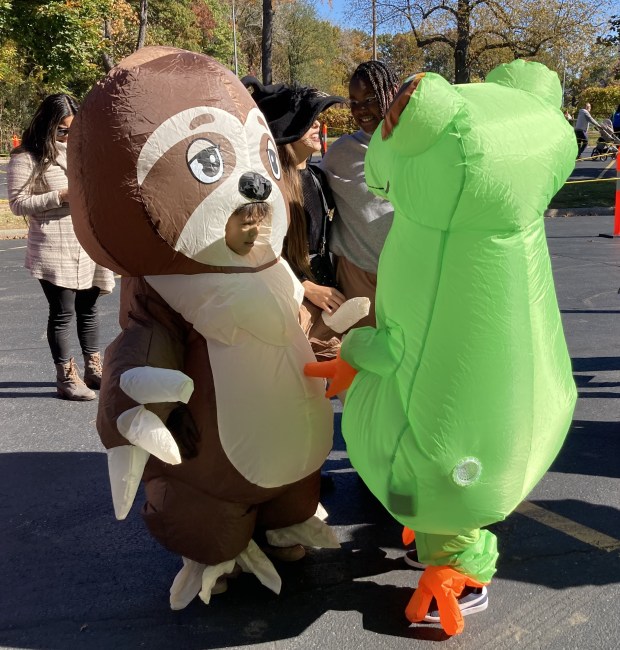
x=292, y=113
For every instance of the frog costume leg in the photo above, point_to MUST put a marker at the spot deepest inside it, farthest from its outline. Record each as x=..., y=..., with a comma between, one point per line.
x=473, y=554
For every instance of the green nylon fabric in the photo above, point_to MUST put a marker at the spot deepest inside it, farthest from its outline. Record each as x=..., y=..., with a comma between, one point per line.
x=473, y=554
x=464, y=393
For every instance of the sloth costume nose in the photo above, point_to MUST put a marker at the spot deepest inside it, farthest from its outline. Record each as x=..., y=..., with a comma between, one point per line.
x=254, y=186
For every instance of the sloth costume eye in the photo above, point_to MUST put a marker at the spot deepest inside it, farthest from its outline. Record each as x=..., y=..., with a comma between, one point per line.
x=205, y=161
x=274, y=161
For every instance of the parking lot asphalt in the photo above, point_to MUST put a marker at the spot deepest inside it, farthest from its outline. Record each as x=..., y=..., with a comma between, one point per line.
x=73, y=577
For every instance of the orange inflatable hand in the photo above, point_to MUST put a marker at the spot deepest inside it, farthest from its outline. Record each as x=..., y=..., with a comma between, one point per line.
x=408, y=536
x=338, y=370
x=445, y=585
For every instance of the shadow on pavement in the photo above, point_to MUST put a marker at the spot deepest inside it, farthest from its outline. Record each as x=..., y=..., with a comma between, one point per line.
x=21, y=385
x=595, y=363
x=588, y=449
x=75, y=578
x=534, y=553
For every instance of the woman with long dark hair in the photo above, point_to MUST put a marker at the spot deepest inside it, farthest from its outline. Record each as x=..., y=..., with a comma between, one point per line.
x=71, y=281
x=292, y=114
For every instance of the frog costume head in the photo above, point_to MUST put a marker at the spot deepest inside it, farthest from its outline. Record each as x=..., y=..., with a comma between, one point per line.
x=464, y=392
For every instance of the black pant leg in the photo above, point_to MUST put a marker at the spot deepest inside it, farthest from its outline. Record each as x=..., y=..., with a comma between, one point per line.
x=61, y=310
x=87, y=319
x=582, y=141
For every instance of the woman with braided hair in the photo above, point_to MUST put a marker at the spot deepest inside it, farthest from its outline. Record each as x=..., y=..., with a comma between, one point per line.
x=358, y=235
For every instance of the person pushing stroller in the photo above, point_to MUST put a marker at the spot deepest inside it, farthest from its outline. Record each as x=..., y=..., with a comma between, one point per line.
x=607, y=143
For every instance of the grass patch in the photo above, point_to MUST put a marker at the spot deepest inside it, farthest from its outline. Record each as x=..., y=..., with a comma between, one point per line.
x=585, y=195
x=8, y=221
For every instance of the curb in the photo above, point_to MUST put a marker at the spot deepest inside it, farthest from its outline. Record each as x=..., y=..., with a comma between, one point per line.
x=20, y=233
x=579, y=212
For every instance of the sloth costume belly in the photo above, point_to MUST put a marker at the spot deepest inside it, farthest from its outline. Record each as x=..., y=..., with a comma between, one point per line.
x=264, y=429
x=272, y=422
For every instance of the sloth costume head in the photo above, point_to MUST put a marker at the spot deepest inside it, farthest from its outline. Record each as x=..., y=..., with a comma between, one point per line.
x=158, y=180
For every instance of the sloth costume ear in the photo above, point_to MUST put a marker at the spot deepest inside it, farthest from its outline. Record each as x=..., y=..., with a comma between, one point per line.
x=290, y=110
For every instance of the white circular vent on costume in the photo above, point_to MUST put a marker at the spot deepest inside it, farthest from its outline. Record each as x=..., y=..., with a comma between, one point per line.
x=467, y=471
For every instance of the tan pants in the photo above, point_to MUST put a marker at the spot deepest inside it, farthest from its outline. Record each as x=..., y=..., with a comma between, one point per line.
x=356, y=282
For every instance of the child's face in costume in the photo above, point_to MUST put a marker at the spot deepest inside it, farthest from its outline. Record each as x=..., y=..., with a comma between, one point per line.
x=242, y=231
x=364, y=105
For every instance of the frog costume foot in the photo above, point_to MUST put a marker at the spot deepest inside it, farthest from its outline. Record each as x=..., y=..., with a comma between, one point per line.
x=455, y=562
x=445, y=585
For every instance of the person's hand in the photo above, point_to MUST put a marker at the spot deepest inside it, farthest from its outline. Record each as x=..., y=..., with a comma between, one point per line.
x=64, y=195
x=326, y=298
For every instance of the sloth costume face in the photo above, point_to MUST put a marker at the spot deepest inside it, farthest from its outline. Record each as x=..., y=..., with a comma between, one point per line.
x=169, y=145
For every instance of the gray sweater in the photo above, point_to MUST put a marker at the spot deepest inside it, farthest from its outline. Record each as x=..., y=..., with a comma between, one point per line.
x=363, y=221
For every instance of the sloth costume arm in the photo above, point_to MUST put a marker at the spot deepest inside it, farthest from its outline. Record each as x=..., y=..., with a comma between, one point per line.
x=136, y=381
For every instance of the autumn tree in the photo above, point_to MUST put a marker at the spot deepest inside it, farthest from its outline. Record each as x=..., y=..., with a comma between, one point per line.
x=474, y=29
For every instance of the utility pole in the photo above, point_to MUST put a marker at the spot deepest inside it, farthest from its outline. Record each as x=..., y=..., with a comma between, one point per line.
x=374, y=30
x=234, y=22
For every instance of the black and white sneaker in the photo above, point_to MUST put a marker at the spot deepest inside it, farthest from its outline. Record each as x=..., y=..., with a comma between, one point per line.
x=411, y=558
x=471, y=601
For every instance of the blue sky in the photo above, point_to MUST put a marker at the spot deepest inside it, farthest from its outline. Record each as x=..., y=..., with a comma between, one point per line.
x=333, y=13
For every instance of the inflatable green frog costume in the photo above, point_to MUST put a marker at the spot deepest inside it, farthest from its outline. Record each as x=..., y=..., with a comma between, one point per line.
x=464, y=391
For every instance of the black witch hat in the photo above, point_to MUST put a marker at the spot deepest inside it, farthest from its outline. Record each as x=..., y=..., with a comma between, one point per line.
x=290, y=110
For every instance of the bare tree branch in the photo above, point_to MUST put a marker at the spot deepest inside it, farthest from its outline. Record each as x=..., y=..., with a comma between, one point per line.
x=106, y=59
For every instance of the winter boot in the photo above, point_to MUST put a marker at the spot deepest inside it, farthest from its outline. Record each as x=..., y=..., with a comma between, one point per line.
x=69, y=384
x=92, y=370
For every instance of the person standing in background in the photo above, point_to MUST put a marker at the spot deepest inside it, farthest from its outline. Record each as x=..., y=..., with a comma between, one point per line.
x=358, y=235
x=71, y=281
x=584, y=119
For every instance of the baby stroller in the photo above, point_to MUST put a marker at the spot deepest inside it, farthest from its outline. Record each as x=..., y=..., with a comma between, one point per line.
x=607, y=144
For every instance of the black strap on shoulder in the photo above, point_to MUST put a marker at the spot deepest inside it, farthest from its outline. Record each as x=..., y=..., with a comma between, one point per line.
x=328, y=213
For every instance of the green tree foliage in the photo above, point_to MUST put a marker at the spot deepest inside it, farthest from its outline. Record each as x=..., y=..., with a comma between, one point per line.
x=196, y=25
x=57, y=40
x=306, y=46
x=604, y=100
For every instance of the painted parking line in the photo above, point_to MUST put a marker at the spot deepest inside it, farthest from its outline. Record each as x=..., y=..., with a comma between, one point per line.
x=611, y=164
x=569, y=527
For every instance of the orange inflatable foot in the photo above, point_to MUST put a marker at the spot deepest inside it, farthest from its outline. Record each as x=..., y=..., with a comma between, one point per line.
x=408, y=536
x=445, y=585
x=338, y=370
